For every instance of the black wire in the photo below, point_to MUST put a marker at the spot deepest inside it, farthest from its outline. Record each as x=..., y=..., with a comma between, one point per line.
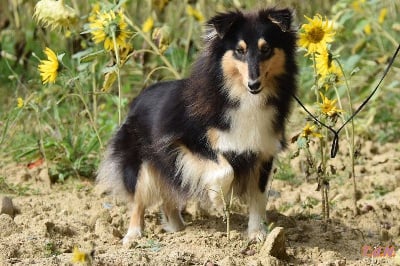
x=335, y=141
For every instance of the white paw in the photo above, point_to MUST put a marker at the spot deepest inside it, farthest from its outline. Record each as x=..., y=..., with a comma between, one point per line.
x=173, y=227
x=131, y=235
x=173, y=222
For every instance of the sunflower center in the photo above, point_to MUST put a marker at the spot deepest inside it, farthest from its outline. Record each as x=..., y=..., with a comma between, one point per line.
x=316, y=34
x=307, y=131
x=327, y=107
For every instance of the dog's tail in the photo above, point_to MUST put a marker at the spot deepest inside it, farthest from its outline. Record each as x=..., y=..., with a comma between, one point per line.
x=118, y=171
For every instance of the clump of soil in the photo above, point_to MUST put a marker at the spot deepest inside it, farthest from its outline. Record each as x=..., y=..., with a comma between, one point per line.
x=50, y=220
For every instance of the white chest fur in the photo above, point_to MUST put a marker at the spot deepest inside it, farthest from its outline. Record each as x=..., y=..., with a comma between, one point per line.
x=251, y=128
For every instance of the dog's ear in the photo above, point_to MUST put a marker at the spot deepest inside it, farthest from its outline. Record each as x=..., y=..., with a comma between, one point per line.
x=281, y=17
x=223, y=22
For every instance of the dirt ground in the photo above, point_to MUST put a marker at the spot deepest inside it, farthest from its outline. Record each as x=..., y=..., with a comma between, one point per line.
x=53, y=219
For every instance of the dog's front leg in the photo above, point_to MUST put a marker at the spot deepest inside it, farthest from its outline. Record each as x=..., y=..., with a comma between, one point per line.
x=257, y=202
x=218, y=179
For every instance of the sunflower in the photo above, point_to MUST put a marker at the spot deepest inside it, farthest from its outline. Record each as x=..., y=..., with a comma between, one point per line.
x=328, y=107
x=316, y=34
x=326, y=66
x=382, y=15
x=49, y=68
x=20, y=102
x=310, y=131
x=107, y=25
x=55, y=14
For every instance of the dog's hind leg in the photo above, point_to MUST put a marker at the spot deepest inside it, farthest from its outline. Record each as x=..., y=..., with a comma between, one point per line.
x=136, y=224
x=257, y=202
x=172, y=218
x=146, y=194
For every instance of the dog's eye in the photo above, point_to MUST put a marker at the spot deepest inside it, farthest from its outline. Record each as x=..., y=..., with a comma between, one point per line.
x=265, y=49
x=240, y=51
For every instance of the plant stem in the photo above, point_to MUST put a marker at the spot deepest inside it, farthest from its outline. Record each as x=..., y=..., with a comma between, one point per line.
x=351, y=138
x=88, y=113
x=40, y=141
x=154, y=48
x=323, y=179
x=94, y=95
x=315, y=78
x=326, y=201
x=227, y=211
x=321, y=173
x=116, y=50
x=17, y=20
x=187, y=46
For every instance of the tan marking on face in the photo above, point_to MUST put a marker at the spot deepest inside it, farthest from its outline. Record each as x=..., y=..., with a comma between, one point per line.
x=236, y=75
x=261, y=43
x=272, y=68
x=242, y=45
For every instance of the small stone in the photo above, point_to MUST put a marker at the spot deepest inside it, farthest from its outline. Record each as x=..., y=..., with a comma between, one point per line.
x=250, y=252
x=116, y=233
x=341, y=262
x=7, y=206
x=48, y=229
x=275, y=244
x=384, y=235
x=209, y=263
x=271, y=261
x=7, y=225
x=227, y=261
x=280, y=220
x=367, y=208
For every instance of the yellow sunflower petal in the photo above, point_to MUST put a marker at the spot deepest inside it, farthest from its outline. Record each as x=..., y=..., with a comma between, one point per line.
x=109, y=24
x=316, y=34
x=49, y=68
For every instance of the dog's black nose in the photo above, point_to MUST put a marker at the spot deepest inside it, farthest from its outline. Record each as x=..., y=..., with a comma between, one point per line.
x=254, y=85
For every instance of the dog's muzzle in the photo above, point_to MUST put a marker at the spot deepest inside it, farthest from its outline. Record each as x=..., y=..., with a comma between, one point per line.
x=254, y=86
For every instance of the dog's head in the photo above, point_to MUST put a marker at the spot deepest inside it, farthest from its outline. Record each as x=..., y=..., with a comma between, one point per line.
x=255, y=48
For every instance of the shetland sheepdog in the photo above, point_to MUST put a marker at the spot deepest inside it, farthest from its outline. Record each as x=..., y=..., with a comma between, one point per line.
x=217, y=130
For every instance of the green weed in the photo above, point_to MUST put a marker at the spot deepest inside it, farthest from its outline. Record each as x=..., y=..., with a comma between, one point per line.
x=20, y=190
x=51, y=249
